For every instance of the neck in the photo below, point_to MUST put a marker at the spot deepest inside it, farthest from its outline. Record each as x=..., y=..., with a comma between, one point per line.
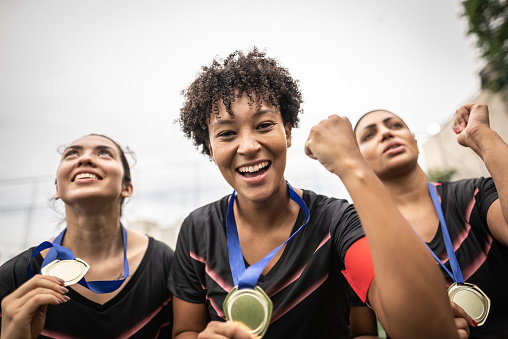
x=267, y=215
x=93, y=234
x=409, y=188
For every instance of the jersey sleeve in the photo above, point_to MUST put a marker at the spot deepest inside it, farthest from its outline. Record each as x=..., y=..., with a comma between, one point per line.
x=486, y=195
x=352, y=246
x=13, y=272
x=184, y=281
x=359, y=270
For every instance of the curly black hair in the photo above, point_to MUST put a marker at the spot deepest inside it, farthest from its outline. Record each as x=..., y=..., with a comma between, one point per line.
x=254, y=74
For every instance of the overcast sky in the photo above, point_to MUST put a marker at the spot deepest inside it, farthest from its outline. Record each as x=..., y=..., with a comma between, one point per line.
x=70, y=68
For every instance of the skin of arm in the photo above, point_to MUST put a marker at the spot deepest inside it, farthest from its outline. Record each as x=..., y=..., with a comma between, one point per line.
x=362, y=322
x=408, y=292
x=24, y=310
x=472, y=126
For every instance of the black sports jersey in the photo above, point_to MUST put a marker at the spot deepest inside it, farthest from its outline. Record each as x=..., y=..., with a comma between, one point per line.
x=306, y=285
x=482, y=259
x=142, y=309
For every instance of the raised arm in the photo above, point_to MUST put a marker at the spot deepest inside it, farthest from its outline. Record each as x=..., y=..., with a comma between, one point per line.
x=472, y=126
x=408, y=292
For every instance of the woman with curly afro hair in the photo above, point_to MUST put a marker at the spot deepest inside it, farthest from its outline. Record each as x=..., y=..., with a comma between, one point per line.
x=276, y=261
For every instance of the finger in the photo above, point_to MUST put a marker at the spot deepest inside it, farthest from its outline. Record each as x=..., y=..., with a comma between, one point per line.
x=227, y=329
x=462, y=326
x=308, y=151
x=38, y=280
x=458, y=312
x=463, y=334
x=34, y=287
x=459, y=122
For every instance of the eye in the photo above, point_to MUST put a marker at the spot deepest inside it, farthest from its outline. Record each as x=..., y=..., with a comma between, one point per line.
x=225, y=134
x=265, y=125
x=367, y=136
x=69, y=153
x=397, y=125
x=105, y=152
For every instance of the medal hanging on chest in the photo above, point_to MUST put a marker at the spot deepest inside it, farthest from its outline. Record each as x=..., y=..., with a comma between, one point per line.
x=247, y=303
x=61, y=263
x=468, y=296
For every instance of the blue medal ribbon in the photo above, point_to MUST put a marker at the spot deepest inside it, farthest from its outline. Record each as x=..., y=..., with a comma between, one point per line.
x=248, y=277
x=63, y=253
x=456, y=273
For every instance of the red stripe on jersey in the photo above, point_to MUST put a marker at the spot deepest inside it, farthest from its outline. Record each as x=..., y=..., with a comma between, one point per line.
x=359, y=270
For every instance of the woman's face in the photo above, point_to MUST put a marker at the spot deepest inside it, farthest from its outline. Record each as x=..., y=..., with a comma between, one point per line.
x=91, y=168
x=250, y=149
x=386, y=143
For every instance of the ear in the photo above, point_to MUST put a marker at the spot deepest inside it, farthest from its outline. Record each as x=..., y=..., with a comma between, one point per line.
x=210, y=149
x=288, y=128
x=127, y=190
x=57, y=196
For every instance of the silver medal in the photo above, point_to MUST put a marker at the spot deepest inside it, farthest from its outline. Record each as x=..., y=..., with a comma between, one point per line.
x=472, y=300
x=71, y=271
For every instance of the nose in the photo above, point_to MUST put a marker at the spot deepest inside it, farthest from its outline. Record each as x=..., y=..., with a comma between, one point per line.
x=86, y=159
x=247, y=143
x=385, y=133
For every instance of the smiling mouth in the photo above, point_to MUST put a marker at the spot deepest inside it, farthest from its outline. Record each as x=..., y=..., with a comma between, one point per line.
x=392, y=147
x=254, y=171
x=86, y=176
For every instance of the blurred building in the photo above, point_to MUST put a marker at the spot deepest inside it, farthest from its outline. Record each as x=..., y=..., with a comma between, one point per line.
x=167, y=235
x=442, y=151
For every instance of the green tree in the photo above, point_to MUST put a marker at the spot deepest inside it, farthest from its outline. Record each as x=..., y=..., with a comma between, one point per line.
x=488, y=20
x=439, y=174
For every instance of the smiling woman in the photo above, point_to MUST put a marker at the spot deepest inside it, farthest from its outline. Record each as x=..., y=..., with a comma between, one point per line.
x=267, y=259
x=92, y=179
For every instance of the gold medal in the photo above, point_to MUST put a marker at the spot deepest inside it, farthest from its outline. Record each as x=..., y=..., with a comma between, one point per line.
x=472, y=300
x=71, y=271
x=251, y=307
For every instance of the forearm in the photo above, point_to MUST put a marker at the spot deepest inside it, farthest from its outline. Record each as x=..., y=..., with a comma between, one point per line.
x=494, y=152
x=409, y=293
x=186, y=335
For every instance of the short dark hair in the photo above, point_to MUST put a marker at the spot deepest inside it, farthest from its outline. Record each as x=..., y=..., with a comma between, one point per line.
x=253, y=74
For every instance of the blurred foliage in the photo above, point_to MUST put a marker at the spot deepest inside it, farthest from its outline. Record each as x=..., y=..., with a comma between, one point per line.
x=439, y=174
x=488, y=20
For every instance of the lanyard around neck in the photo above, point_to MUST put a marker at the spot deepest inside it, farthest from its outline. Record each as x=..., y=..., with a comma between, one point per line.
x=63, y=253
x=456, y=273
x=248, y=277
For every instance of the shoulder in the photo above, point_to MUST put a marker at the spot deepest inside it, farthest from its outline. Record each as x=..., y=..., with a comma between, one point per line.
x=206, y=217
x=323, y=202
x=467, y=189
x=160, y=249
x=13, y=272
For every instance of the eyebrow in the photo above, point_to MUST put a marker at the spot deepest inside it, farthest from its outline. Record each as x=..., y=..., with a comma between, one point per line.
x=79, y=147
x=254, y=115
x=374, y=125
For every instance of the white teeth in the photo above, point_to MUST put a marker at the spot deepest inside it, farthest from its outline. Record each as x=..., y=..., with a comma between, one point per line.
x=86, y=176
x=254, y=168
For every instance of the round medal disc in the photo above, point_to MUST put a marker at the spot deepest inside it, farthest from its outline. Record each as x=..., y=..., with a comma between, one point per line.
x=251, y=307
x=472, y=300
x=71, y=271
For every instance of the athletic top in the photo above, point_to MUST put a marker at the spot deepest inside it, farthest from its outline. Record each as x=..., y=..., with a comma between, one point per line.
x=308, y=291
x=142, y=309
x=482, y=259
